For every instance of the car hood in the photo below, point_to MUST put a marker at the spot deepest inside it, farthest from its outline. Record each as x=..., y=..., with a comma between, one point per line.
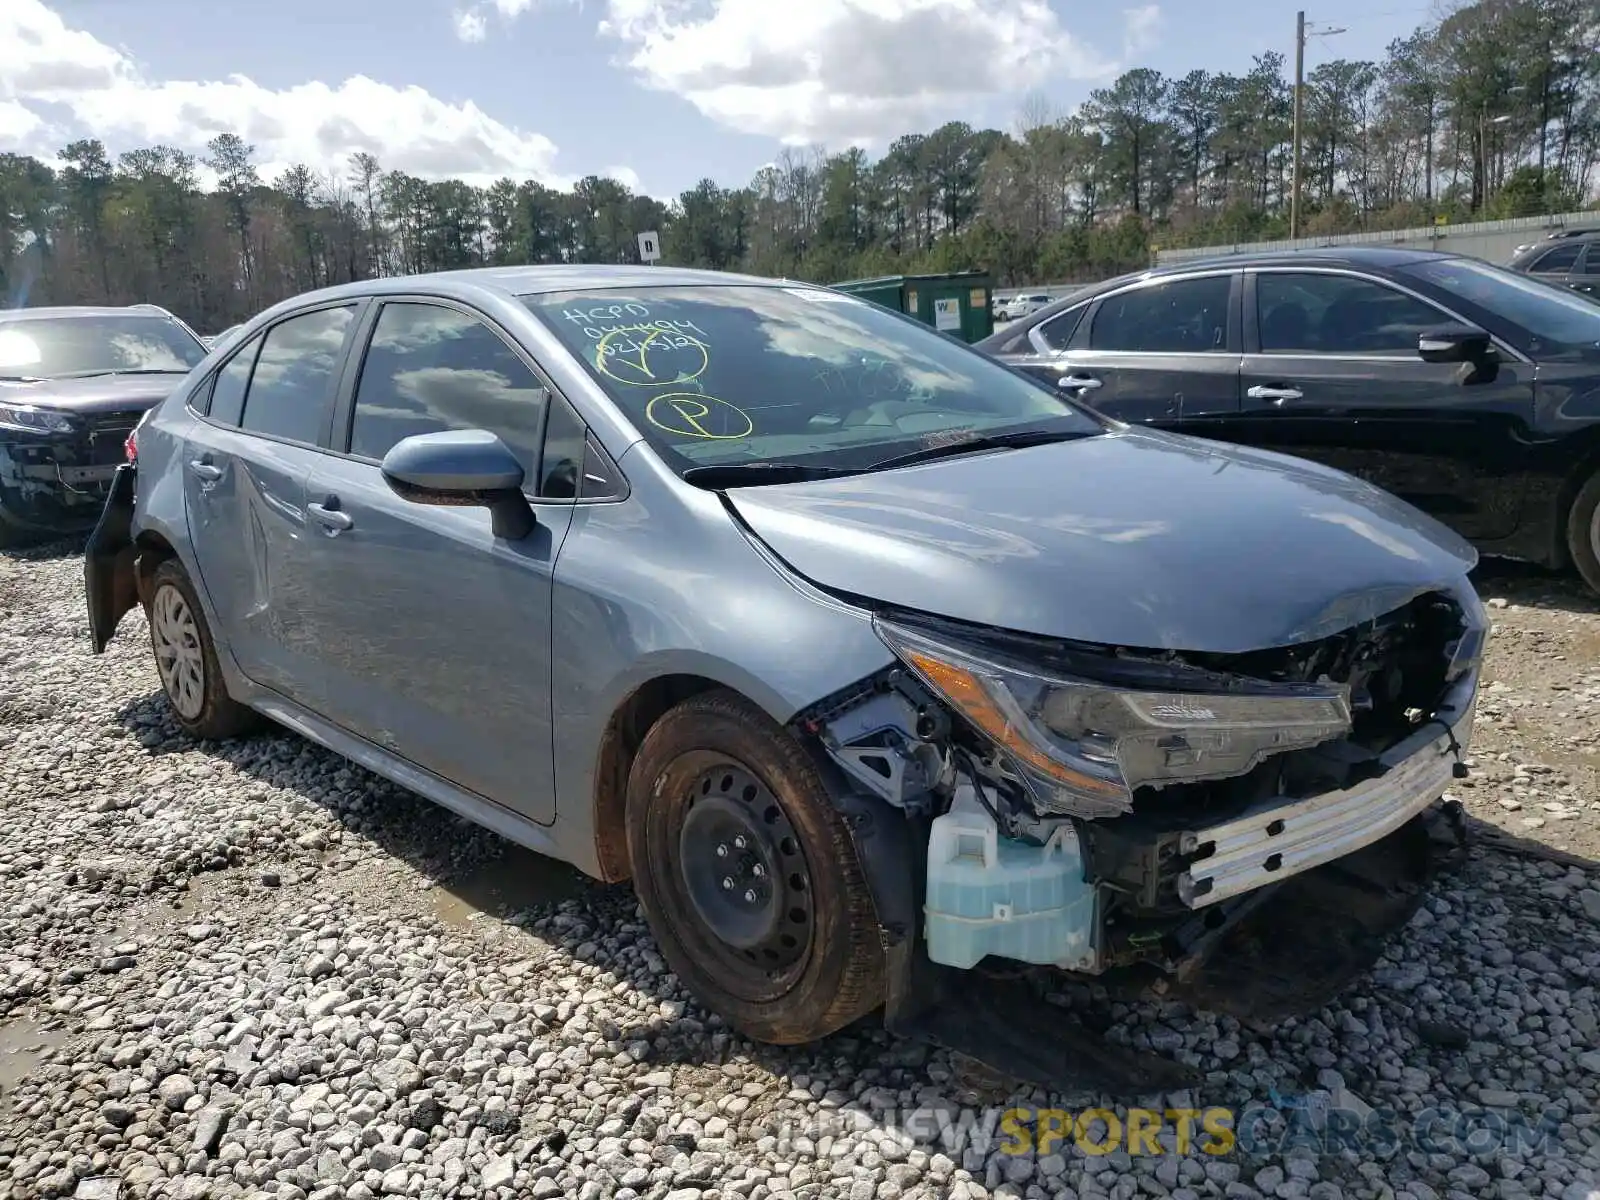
x=98, y=393
x=1133, y=538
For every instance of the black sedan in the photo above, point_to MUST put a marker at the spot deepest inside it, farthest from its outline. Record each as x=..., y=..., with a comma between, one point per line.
x=73, y=384
x=1467, y=389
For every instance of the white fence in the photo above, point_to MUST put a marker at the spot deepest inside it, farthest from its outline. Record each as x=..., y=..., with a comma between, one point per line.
x=1495, y=241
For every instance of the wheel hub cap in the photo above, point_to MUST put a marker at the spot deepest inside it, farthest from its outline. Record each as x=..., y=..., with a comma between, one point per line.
x=175, y=637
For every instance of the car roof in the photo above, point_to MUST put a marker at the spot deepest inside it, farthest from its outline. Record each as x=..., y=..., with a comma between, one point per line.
x=1379, y=257
x=1555, y=241
x=536, y=280
x=83, y=310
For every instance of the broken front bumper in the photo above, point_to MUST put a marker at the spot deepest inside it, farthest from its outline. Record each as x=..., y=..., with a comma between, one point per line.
x=1277, y=839
x=54, y=483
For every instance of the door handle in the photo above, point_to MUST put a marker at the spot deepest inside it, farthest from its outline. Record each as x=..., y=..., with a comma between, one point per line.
x=1086, y=382
x=329, y=517
x=208, y=472
x=1275, y=394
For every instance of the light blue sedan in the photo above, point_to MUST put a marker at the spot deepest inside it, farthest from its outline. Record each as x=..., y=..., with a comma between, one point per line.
x=871, y=661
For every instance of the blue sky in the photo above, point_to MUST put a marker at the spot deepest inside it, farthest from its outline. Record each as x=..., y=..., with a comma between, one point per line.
x=661, y=92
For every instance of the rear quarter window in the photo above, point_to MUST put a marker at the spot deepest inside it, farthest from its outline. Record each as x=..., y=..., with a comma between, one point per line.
x=291, y=388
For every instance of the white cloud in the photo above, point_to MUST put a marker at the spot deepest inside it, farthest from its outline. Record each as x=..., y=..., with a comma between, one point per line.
x=470, y=25
x=1141, y=29
x=16, y=122
x=58, y=83
x=854, y=71
x=626, y=176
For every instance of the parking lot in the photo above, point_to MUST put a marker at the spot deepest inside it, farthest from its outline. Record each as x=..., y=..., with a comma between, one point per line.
x=252, y=969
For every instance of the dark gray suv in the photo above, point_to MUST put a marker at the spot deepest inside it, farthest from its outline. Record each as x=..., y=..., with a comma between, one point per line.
x=1569, y=257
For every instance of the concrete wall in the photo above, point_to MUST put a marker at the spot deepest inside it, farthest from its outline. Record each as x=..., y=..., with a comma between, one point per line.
x=1495, y=241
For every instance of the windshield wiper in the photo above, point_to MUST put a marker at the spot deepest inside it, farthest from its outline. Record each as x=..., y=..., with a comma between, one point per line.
x=22, y=379
x=984, y=441
x=724, y=475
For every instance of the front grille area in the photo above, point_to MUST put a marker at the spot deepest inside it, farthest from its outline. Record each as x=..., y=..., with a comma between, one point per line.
x=104, y=437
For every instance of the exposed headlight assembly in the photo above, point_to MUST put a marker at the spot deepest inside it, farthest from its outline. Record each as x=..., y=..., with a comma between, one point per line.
x=34, y=420
x=1083, y=746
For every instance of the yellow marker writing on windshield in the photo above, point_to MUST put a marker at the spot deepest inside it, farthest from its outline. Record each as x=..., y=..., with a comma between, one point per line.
x=635, y=357
x=690, y=415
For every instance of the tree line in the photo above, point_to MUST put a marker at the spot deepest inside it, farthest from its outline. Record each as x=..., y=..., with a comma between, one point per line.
x=1492, y=110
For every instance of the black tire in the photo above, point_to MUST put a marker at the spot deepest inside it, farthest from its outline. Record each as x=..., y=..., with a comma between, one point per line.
x=1583, y=532
x=717, y=764
x=213, y=714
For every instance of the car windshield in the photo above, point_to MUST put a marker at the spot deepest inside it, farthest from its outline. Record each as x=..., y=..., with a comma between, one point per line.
x=1557, y=318
x=62, y=347
x=717, y=375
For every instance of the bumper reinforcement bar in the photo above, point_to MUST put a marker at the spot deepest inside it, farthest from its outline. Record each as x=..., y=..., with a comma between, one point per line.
x=1278, y=839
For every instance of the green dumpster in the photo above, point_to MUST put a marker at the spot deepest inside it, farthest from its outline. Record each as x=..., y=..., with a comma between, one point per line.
x=958, y=304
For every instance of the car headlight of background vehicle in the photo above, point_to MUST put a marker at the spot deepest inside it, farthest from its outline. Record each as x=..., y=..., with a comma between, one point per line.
x=1083, y=746
x=34, y=420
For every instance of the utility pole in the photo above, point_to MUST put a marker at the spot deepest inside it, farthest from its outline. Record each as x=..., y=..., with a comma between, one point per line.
x=1300, y=28
x=1299, y=89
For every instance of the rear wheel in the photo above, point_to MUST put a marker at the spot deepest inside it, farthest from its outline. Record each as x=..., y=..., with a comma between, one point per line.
x=1583, y=532
x=748, y=875
x=186, y=660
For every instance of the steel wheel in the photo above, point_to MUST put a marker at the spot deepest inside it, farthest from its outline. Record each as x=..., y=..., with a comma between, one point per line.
x=740, y=863
x=749, y=875
x=175, y=637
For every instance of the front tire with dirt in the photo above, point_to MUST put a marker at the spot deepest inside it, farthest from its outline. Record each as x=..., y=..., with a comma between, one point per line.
x=748, y=875
x=1583, y=532
x=186, y=660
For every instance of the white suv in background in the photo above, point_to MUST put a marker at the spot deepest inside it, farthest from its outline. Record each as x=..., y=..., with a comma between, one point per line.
x=1014, y=307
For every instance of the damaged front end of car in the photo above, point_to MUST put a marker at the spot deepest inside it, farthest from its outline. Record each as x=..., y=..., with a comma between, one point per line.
x=56, y=466
x=1241, y=831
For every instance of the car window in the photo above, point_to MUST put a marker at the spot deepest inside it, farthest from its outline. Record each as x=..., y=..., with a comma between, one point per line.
x=1591, y=261
x=1562, y=258
x=561, y=467
x=600, y=475
x=1013, y=339
x=718, y=374
x=1338, y=314
x=80, y=346
x=228, y=386
x=292, y=384
x=1554, y=317
x=430, y=368
x=1180, y=316
x=1058, y=330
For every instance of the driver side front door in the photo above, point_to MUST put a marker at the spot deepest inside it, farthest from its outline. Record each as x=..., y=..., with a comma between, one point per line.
x=436, y=633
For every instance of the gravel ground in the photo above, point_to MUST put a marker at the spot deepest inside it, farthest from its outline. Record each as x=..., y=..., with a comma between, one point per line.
x=253, y=970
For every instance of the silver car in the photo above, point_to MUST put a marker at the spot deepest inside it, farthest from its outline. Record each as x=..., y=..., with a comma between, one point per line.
x=873, y=663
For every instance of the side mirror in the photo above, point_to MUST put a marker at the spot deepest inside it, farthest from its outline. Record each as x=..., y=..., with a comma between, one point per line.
x=468, y=468
x=1455, y=343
